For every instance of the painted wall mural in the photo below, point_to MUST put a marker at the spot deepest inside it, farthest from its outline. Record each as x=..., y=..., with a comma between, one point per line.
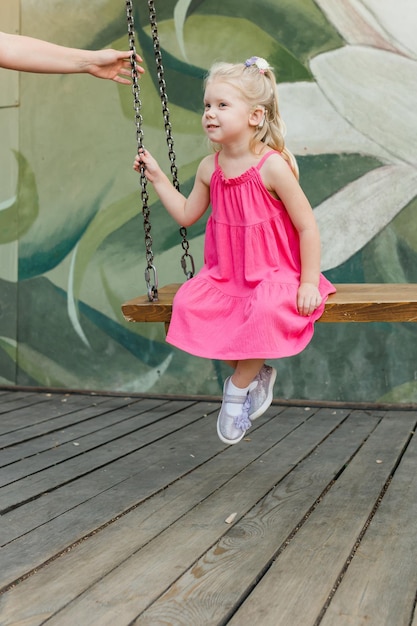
x=71, y=235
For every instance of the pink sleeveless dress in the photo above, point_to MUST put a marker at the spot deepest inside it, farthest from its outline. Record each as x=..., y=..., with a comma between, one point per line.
x=243, y=302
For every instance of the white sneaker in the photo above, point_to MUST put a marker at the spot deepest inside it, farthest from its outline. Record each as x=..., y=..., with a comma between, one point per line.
x=232, y=428
x=262, y=395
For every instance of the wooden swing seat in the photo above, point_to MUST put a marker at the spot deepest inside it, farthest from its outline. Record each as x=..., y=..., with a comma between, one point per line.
x=377, y=302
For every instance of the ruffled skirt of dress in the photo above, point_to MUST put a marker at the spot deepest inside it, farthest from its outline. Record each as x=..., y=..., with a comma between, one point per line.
x=265, y=324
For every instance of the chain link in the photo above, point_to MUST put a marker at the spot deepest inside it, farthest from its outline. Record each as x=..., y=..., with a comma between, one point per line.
x=152, y=289
x=186, y=257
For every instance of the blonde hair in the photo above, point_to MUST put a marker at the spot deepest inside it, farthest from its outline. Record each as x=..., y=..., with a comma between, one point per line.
x=259, y=88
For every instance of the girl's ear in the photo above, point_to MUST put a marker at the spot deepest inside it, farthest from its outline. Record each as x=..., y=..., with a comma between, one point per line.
x=257, y=116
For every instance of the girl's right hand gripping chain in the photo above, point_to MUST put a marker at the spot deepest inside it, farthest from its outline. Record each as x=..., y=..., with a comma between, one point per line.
x=145, y=159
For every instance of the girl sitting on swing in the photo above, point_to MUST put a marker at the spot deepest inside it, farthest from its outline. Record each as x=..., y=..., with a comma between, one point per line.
x=260, y=289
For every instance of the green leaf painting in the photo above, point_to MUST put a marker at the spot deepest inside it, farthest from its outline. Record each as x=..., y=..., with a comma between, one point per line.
x=346, y=73
x=20, y=214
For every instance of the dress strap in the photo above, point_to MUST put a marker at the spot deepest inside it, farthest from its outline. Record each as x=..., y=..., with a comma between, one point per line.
x=216, y=159
x=264, y=158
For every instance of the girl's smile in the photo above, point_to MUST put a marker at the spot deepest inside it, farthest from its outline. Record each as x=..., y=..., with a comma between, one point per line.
x=226, y=113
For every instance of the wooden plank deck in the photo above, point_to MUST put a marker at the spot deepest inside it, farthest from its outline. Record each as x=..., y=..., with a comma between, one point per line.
x=127, y=510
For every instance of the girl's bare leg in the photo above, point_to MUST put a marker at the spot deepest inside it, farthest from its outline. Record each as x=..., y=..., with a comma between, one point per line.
x=245, y=372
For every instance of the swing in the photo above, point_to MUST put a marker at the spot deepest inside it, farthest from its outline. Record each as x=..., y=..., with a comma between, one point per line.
x=364, y=302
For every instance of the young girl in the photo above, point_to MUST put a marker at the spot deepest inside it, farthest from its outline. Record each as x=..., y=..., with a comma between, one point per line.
x=260, y=289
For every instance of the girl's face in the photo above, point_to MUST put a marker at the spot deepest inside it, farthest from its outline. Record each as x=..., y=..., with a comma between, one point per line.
x=227, y=116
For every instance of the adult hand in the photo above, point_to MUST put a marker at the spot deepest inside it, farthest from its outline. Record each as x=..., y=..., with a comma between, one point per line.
x=113, y=65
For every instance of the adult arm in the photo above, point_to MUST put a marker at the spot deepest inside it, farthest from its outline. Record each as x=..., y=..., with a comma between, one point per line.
x=27, y=54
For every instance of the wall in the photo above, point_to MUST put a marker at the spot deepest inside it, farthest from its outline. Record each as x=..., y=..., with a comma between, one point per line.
x=71, y=237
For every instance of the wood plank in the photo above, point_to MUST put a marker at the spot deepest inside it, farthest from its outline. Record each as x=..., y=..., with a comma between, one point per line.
x=156, y=514
x=372, y=592
x=7, y=395
x=19, y=405
x=107, y=492
x=102, y=497
x=68, y=427
x=142, y=539
x=105, y=428
x=141, y=310
x=230, y=567
x=43, y=407
x=105, y=550
x=116, y=480
x=372, y=303
x=33, y=486
x=351, y=303
x=309, y=566
x=115, y=598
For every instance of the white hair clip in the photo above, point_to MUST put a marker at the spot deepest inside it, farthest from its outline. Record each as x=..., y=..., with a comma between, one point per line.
x=261, y=64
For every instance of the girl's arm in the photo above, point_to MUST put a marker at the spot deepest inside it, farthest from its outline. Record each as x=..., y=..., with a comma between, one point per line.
x=281, y=180
x=27, y=54
x=185, y=211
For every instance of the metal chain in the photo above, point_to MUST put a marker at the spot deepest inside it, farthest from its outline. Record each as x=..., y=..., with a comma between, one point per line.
x=186, y=257
x=152, y=289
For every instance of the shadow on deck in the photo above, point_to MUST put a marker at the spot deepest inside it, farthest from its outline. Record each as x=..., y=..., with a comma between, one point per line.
x=126, y=510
